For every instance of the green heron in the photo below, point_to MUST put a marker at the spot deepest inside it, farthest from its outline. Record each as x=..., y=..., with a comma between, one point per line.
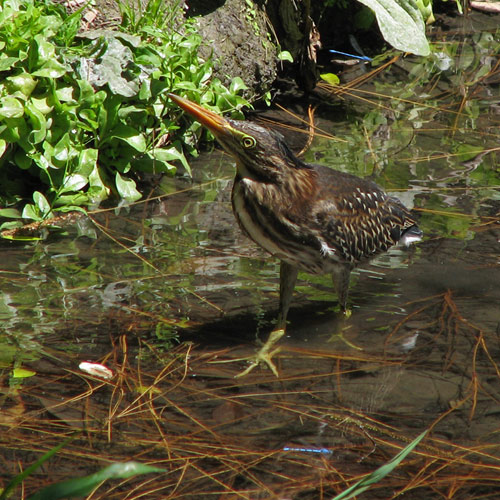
x=310, y=217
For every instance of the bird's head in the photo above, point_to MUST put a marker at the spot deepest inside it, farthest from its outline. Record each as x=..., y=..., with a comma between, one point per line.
x=260, y=153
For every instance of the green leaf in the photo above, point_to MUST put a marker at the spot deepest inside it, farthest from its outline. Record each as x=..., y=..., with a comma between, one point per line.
x=31, y=212
x=22, y=160
x=84, y=485
x=46, y=51
x=126, y=188
x=41, y=202
x=87, y=161
x=51, y=69
x=32, y=468
x=7, y=62
x=73, y=182
x=38, y=123
x=237, y=84
x=23, y=83
x=284, y=55
x=330, y=78
x=170, y=154
x=10, y=107
x=42, y=105
x=401, y=25
x=22, y=373
x=11, y=213
x=131, y=136
x=381, y=472
x=97, y=190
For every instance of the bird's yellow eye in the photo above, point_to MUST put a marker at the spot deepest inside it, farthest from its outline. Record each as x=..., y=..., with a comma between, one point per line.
x=248, y=142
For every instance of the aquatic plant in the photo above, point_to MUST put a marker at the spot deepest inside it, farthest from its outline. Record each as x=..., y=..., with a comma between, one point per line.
x=82, y=114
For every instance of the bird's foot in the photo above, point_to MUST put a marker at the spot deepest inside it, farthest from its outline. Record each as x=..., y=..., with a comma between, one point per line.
x=340, y=326
x=265, y=354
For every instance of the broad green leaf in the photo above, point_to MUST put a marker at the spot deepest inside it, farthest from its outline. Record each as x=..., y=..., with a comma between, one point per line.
x=22, y=160
x=51, y=69
x=87, y=161
x=10, y=107
x=126, y=188
x=131, y=136
x=9, y=225
x=41, y=202
x=284, y=55
x=330, y=78
x=83, y=486
x=11, y=213
x=74, y=182
x=22, y=373
x=97, y=190
x=31, y=212
x=63, y=150
x=237, y=84
x=46, y=51
x=38, y=122
x=170, y=154
x=42, y=105
x=65, y=94
x=401, y=25
x=7, y=62
x=23, y=83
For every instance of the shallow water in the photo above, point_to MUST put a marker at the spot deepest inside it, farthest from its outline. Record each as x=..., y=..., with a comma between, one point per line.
x=421, y=348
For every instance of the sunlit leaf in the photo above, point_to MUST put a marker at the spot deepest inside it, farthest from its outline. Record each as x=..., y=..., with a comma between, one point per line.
x=401, y=25
x=237, y=84
x=23, y=83
x=131, y=136
x=74, y=182
x=7, y=62
x=10, y=107
x=41, y=202
x=22, y=373
x=284, y=55
x=51, y=69
x=330, y=78
x=31, y=212
x=126, y=188
x=170, y=154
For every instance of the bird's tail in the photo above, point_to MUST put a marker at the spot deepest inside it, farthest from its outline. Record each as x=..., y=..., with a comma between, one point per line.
x=410, y=235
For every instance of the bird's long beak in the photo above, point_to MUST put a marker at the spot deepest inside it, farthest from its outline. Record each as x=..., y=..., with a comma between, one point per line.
x=215, y=123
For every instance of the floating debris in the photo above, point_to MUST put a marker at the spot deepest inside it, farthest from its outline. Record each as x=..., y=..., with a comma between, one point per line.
x=96, y=370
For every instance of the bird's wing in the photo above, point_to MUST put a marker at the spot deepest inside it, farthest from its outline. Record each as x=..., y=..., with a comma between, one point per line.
x=357, y=219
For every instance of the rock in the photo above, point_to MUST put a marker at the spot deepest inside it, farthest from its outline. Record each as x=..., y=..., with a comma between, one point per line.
x=236, y=37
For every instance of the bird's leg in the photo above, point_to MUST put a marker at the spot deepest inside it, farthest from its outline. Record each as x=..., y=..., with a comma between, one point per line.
x=288, y=277
x=341, y=277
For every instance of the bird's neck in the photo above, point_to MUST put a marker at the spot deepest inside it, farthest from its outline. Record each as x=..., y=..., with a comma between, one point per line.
x=299, y=185
x=293, y=187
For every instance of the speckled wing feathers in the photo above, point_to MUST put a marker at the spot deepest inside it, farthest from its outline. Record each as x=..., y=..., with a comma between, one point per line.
x=359, y=220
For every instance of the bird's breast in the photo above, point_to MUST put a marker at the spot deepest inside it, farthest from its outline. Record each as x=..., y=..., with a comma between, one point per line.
x=279, y=226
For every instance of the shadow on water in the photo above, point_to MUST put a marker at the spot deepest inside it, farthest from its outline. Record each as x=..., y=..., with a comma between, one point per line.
x=170, y=295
